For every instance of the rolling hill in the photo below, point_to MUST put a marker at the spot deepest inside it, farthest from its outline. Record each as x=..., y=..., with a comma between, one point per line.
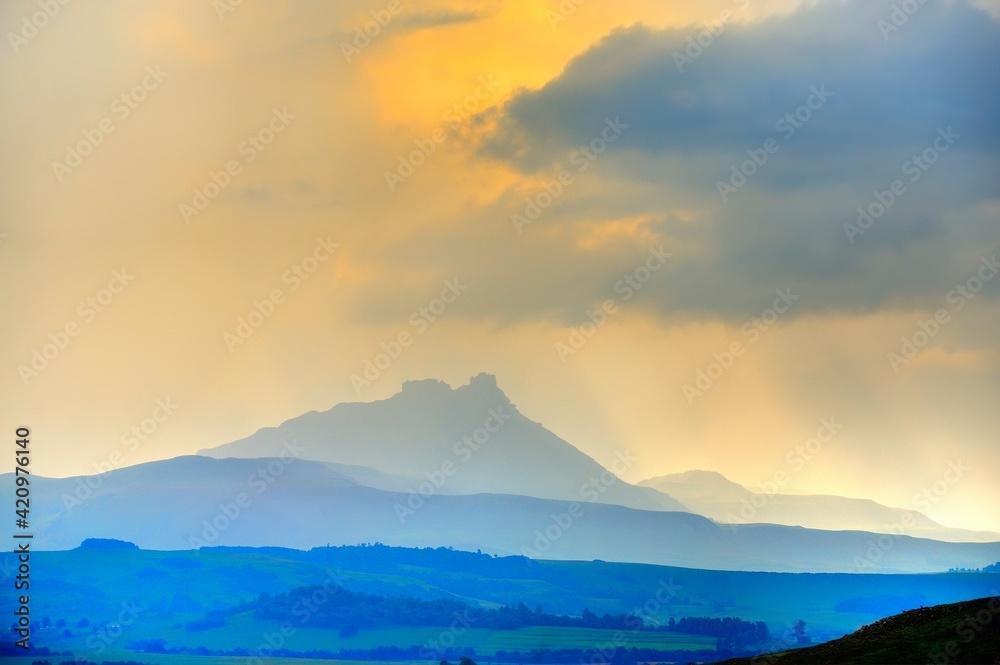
x=175, y=587
x=959, y=633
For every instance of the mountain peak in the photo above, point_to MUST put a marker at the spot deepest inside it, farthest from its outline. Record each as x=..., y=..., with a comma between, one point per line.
x=481, y=388
x=428, y=425
x=483, y=380
x=698, y=485
x=425, y=386
x=699, y=475
x=694, y=476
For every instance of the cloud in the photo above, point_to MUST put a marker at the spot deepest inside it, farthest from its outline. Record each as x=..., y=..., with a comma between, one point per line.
x=436, y=19
x=879, y=99
x=406, y=22
x=887, y=94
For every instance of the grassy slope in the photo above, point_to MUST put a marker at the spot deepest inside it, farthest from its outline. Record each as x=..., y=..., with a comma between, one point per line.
x=940, y=635
x=243, y=631
x=157, y=659
x=93, y=584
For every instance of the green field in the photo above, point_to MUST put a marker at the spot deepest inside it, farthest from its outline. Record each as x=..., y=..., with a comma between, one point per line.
x=177, y=587
x=569, y=638
x=167, y=659
x=235, y=635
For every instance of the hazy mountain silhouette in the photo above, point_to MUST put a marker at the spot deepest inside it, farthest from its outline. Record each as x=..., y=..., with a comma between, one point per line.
x=428, y=431
x=713, y=495
x=193, y=501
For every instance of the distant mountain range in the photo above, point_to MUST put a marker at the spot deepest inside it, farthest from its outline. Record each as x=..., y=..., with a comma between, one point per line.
x=431, y=433
x=463, y=441
x=194, y=501
x=435, y=466
x=713, y=495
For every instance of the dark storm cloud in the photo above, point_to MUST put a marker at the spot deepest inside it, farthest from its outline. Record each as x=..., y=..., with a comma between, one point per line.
x=938, y=69
x=895, y=94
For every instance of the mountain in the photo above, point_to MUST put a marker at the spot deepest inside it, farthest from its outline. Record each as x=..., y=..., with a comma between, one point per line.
x=194, y=501
x=713, y=495
x=462, y=441
x=966, y=632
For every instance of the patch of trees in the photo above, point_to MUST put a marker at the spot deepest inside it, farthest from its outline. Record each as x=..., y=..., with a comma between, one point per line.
x=208, y=623
x=737, y=631
x=376, y=556
x=340, y=608
x=348, y=612
x=103, y=662
x=337, y=608
x=992, y=568
x=8, y=649
x=107, y=544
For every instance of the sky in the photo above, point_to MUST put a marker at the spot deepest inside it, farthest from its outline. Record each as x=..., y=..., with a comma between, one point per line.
x=757, y=237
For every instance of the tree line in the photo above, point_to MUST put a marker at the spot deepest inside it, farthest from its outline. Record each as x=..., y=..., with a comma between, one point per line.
x=350, y=611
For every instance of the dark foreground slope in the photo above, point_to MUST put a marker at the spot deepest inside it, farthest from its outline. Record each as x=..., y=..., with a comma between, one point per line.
x=967, y=632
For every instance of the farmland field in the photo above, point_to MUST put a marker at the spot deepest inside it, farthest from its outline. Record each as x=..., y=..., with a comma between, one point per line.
x=177, y=587
x=81, y=595
x=235, y=635
x=174, y=659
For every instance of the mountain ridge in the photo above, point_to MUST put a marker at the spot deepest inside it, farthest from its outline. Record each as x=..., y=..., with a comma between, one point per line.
x=712, y=495
x=196, y=501
x=473, y=439
x=469, y=439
